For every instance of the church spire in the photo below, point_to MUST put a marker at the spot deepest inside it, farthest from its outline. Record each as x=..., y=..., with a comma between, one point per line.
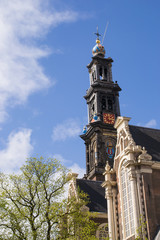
x=102, y=99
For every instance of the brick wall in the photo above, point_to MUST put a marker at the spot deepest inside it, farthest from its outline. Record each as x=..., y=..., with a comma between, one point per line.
x=151, y=192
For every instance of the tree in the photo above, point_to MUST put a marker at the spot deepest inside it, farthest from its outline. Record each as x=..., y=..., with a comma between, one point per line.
x=79, y=224
x=141, y=231
x=32, y=207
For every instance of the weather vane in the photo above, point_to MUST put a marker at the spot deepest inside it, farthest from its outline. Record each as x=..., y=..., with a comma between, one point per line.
x=97, y=33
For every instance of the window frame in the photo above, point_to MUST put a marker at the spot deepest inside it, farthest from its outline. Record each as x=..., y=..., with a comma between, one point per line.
x=99, y=229
x=127, y=207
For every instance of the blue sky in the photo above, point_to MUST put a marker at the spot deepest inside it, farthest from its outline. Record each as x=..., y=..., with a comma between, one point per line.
x=45, y=47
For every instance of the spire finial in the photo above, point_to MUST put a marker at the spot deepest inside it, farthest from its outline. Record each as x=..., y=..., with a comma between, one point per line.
x=98, y=48
x=97, y=33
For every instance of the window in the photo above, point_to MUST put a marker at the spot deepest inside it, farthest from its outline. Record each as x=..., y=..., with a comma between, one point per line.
x=93, y=76
x=93, y=155
x=102, y=232
x=127, y=206
x=103, y=103
x=105, y=73
x=100, y=73
x=93, y=107
x=110, y=105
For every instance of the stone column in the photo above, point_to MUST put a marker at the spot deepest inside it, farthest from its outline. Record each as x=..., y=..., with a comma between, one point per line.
x=139, y=195
x=110, y=212
x=109, y=186
x=97, y=71
x=97, y=160
x=87, y=157
x=95, y=103
x=117, y=104
x=115, y=213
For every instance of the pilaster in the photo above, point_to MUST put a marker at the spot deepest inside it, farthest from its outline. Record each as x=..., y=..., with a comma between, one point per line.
x=110, y=195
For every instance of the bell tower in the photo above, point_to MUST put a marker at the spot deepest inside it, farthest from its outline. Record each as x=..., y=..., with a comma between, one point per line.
x=102, y=99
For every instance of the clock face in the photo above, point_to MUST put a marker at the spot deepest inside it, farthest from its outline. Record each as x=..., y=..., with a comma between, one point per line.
x=109, y=118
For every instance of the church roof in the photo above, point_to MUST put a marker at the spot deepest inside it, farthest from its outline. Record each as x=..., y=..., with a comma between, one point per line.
x=157, y=234
x=148, y=138
x=96, y=194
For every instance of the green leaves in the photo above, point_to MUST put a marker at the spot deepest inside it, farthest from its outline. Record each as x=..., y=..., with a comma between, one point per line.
x=32, y=206
x=141, y=231
x=79, y=221
x=29, y=202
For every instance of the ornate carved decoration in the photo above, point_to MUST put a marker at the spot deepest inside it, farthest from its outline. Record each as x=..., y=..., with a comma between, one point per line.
x=132, y=176
x=124, y=140
x=107, y=168
x=144, y=156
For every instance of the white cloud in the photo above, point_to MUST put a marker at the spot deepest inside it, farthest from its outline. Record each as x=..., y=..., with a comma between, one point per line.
x=151, y=124
x=75, y=168
x=67, y=129
x=21, y=24
x=61, y=158
x=124, y=105
x=18, y=148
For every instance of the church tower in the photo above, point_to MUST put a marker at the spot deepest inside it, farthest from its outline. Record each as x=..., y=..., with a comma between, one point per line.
x=102, y=99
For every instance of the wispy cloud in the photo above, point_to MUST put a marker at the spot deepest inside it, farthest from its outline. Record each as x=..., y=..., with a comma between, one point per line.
x=61, y=158
x=17, y=149
x=151, y=124
x=21, y=24
x=124, y=105
x=75, y=168
x=68, y=129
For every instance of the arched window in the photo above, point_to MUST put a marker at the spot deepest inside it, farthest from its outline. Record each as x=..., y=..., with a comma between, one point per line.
x=102, y=232
x=93, y=76
x=103, y=103
x=126, y=202
x=93, y=155
x=93, y=107
x=100, y=73
x=110, y=105
x=105, y=73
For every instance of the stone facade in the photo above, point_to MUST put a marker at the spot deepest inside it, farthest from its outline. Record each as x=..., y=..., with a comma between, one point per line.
x=136, y=187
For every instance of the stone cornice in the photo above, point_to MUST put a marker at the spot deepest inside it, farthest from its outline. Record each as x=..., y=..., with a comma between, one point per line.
x=101, y=215
x=96, y=59
x=120, y=120
x=156, y=165
x=109, y=183
x=96, y=127
x=101, y=85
